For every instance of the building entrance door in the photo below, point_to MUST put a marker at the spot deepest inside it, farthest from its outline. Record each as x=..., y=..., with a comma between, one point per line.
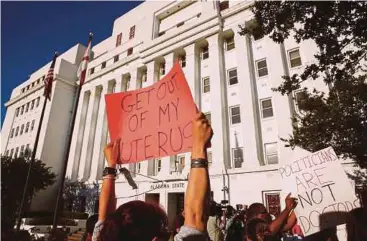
x=175, y=206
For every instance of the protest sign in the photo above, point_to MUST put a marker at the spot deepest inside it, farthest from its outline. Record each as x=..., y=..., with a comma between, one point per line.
x=155, y=121
x=324, y=192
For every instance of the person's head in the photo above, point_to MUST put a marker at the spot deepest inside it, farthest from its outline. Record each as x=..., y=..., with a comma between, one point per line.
x=257, y=230
x=229, y=211
x=136, y=220
x=91, y=222
x=258, y=210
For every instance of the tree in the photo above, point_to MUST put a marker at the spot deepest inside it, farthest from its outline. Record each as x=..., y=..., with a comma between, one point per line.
x=339, y=29
x=13, y=177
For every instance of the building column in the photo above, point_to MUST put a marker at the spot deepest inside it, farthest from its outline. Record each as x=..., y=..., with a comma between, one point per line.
x=78, y=135
x=100, y=137
x=71, y=158
x=87, y=148
x=150, y=80
x=167, y=160
x=219, y=109
x=132, y=86
x=250, y=116
x=191, y=71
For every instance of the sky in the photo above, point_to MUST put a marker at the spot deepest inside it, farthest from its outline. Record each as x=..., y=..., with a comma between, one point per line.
x=32, y=31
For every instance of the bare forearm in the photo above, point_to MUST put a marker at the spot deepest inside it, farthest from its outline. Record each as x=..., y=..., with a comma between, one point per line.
x=291, y=221
x=197, y=194
x=279, y=222
x=107, y=196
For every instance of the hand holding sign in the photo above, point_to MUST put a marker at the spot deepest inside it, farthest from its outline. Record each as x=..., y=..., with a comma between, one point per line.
x=155, y=121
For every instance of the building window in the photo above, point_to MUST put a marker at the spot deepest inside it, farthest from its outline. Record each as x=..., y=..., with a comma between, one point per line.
x=32, y=105
x=12, y=133
x=17, y=131
x=103, y=65
x=206, y=84
x=271, y=153
x=235, y=115
x=294, y=58
x=11, y=152
x=22, y=90
x=262, y=68
x=33, y=84
x=91, y=71
x=232, y=77
x=6, y=152
x=182, y=60
x=162, y=69
x=237, y=157
x=27, y=149
x=157, y=166
x=230, y=43
x=300, y=98
x=32, y=125
x=129, y=51
x=144, y=76
x=118, y=39
x=266, y=108
x=21, y=130
x=26, y=127
x=210, y=159
x=272, y=203
x=27, y=107
x=22, y=150
x=208, y=116
x=16, y=152
x=223, y=5
x=116, y=58
x=205, y=52
x=38, y=102
x=138, y=167
x=38, y=81
x=161, y=33
x=132, y=32
x=22, y=110
x=17, y=112
x=180, y=163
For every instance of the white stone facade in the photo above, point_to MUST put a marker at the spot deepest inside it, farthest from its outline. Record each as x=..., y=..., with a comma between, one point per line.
x=230, y=76
x=23, y=114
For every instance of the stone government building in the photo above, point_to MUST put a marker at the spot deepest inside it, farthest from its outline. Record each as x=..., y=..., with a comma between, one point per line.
x=230, y=77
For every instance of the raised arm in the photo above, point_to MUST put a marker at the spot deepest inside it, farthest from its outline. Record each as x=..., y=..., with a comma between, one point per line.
x=278, y=224
x=198, y=188
x=107, y=200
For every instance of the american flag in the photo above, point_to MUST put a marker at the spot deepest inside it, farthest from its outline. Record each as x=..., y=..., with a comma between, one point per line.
x=82, y=70
x=49, y=79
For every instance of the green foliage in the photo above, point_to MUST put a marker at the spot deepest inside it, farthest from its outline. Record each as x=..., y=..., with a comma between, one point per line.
x=75, y=192
x=339, y=29
x=13, y=177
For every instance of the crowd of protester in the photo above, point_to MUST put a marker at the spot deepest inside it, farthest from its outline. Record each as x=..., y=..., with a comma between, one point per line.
x=202, y=219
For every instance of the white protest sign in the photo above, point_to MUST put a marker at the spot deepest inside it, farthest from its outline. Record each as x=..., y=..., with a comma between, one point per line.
x=323, y=190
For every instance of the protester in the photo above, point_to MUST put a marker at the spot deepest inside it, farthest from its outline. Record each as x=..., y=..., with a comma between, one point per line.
x=179, y=221
x=285, y=220
x=141, y=221
x=357, y=224
x=213, y=225
x=91, y=222
x=258, y=230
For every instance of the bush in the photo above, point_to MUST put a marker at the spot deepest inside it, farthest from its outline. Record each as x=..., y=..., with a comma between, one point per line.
x=48, y=220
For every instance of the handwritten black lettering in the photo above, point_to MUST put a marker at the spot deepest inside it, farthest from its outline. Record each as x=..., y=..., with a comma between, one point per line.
x=133, y=123
x=175, y=137
x=146, y=146
x=161, y=143
x=127, y=108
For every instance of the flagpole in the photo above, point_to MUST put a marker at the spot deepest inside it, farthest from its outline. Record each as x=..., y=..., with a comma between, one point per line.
x=68, y=144
x=47, y=94
x=21, y=207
